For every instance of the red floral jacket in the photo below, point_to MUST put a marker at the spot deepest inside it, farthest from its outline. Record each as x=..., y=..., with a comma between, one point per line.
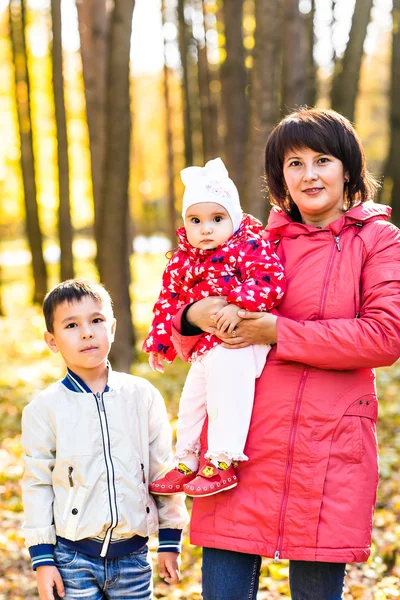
x=244, y=268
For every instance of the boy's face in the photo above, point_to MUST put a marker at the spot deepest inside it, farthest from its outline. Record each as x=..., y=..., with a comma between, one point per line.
x=208, y=225
x=83, y=333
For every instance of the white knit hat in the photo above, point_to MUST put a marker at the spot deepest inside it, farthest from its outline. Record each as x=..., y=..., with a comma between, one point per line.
x=211, y=183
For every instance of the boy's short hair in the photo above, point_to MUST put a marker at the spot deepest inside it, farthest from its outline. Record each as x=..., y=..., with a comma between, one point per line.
x=72, y=290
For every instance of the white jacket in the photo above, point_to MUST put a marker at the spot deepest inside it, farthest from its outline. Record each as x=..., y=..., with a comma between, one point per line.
x=88, y=460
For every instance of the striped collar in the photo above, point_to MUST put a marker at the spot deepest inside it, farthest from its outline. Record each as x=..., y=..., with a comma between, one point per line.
x=73, y=382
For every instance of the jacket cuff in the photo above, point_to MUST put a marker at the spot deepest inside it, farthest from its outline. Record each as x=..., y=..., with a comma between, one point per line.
x=169, y=540
x=41, y=555
x=187, y=328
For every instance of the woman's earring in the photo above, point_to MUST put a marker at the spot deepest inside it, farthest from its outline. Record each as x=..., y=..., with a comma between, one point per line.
x=346, y=191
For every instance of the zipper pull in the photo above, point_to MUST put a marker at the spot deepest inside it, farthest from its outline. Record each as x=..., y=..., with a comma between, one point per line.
x=100, y=401
x=70, y=479
x=143, y=477
x=277, y=556
x=337, y=242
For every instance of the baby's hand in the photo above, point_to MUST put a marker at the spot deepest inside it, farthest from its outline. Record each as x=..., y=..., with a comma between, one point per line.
x=227, y=318
x=169, y=565
x=156, y=361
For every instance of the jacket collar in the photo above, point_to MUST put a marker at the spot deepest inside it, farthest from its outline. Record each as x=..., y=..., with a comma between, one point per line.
x=73, y=382
x=281, y=224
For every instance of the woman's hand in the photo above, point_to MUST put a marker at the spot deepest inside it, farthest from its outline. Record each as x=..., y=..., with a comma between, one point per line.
x=255, y=328
x=200, y=313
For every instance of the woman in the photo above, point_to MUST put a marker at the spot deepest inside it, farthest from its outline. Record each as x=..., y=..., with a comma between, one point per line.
x=308, y=490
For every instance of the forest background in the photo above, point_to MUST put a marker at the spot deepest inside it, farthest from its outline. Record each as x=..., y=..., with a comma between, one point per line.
x=102, y=103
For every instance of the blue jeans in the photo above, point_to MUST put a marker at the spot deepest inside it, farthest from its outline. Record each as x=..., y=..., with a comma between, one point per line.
x=128, y=577
x=235, y=575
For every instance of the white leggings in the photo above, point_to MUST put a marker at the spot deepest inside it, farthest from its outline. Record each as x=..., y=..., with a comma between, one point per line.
x=220, y=384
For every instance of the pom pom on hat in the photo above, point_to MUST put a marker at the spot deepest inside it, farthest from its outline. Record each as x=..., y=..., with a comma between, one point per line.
x=211, y=183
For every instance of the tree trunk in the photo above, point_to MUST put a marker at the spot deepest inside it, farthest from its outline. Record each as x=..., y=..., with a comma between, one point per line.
x=312, y=86
x=295, y=54
x=183, y=50
x=114, y=217
x=213, y=142
x=93, y=30
x=204, y=93
x=64, y=209
x=234, y=102
x=347, y=70
x=392, y=171
x=169, y=146
x=22, y=85
x=332, y=28
x=2, y=178
x=264, y=102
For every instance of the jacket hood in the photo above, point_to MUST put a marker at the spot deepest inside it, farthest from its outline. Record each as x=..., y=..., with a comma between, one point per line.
x=280, y=223
x=250, y=227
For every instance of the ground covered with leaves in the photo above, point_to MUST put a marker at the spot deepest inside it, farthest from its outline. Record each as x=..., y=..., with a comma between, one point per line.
x=26, y=366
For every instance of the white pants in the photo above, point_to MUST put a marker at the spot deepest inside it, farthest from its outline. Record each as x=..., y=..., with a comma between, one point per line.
x=221, y=384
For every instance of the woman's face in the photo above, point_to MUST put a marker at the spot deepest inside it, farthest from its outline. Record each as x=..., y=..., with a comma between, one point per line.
x=315, y=182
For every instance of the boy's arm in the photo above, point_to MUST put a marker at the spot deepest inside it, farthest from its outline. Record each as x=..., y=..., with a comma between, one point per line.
x=172, y=513
x=263, y=278
x=167, y=305
x=169, y=565
x=47, y=578
x=38, y=443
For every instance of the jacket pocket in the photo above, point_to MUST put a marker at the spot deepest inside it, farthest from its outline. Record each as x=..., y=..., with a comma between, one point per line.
x=64, y=556
x=347, y=440
x=149, y=508
x=74, y=512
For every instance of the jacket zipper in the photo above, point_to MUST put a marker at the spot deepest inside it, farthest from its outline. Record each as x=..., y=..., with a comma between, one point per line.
x=70, y=492
x=295, y=419
x=328, y=274
x=142, y=469
x=289, y=463
x=70, y=478
x=110, y=474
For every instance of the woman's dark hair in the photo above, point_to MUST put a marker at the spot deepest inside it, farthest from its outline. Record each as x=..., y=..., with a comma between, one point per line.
x=72, y=290
x=324, y=131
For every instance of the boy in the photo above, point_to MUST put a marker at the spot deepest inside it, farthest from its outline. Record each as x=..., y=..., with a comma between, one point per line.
x=91, y=441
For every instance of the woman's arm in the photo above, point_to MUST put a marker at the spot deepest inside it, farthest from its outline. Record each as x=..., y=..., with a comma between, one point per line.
x=198, y=315
x=373, y=340
x=368, y=341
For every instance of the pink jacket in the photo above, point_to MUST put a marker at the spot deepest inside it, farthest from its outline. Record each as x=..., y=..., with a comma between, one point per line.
x=308, y=489
x=244, y=269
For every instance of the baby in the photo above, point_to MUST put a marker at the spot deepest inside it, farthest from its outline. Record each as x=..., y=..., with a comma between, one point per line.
x=221, y=253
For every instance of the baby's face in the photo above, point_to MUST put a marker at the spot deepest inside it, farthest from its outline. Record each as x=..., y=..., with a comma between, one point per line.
x=208, y=225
